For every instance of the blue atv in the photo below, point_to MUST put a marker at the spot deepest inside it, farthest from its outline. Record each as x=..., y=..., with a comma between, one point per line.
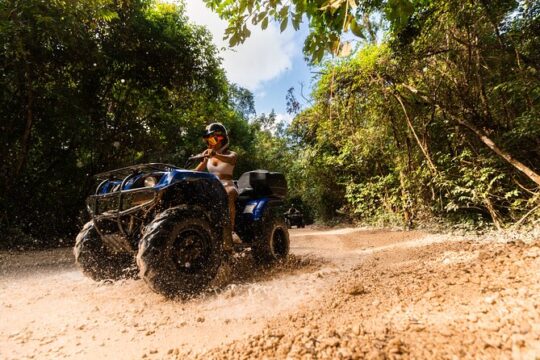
x=168, y=225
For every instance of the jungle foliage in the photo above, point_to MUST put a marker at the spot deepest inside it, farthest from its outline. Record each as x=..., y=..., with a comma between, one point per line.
x=440, y=121
x=434, y=117
x=93, y=85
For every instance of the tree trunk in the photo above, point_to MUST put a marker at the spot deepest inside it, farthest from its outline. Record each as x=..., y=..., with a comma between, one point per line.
x=409, y=123
x=506, y=156
x=405, y=202
x=404, y=173
x=493, y=213
x=25, y=139
x=531, y=174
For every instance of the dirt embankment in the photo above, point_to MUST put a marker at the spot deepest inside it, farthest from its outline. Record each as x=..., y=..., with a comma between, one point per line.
x=346, y=293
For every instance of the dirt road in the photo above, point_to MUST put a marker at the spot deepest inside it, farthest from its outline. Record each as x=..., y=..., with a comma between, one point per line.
x=347, y=293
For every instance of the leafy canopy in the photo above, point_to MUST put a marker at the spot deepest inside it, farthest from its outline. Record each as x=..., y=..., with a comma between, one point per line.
x=327, y=19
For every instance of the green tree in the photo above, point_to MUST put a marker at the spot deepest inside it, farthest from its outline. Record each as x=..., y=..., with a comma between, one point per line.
x=433, y=123
x=327, y=19
x=242, y=101
x=94, y=85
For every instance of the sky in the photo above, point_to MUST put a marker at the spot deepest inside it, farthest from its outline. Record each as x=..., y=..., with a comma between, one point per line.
x=267, y=64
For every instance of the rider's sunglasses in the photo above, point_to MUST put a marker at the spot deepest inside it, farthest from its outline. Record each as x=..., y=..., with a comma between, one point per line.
x=211, y=140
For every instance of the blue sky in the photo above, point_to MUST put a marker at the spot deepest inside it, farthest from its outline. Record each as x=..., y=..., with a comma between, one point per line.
x=268, y=63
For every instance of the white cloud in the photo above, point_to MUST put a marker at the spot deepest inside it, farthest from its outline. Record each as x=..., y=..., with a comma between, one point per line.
x=260, y=94
x=284, y=118
x=265, y=55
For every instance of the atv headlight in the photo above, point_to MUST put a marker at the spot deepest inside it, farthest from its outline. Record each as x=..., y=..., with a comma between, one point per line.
x=249, y=208
x=150, y=181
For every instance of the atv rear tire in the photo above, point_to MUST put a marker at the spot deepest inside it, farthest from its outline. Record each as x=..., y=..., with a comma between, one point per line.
x=180, y=252
x=97, y=261
x=272, y=244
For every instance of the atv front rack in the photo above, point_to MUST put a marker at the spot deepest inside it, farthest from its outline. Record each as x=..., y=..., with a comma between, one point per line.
x=116, y=206
x=119, y=174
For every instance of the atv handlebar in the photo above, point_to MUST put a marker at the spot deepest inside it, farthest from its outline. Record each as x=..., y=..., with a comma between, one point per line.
x=192, y=159
x=197, y=157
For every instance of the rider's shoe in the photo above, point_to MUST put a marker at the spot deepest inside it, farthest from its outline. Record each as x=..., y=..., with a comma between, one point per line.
x=236, y=239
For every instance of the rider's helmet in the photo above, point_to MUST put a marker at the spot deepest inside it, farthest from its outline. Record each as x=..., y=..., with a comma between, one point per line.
x=215, y=133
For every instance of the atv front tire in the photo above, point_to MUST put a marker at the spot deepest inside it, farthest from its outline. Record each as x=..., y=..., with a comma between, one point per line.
x=97, y=261
x=180, y=252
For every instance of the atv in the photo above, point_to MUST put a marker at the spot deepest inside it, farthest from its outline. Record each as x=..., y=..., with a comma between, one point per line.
x=294, y=219
x=168, y=224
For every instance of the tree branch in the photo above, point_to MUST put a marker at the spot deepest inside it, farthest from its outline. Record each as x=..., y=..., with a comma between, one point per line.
x=409, y=123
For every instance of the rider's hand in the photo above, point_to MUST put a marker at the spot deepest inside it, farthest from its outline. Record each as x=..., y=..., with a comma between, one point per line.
x=206, y=153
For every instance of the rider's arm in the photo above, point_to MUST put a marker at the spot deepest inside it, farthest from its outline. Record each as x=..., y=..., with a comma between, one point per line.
x=202, y=164
x=228, y=158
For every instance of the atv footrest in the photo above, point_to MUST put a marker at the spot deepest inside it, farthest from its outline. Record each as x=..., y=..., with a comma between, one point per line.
x=241, y=247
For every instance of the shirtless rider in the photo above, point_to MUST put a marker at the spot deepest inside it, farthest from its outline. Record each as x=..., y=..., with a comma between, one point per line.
x=220, y=161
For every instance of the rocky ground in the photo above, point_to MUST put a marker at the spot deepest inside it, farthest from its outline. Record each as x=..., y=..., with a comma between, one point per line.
x=347, y=293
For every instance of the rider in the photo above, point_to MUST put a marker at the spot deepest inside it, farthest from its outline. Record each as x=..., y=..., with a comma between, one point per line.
x=292, y=210
x=220, y=161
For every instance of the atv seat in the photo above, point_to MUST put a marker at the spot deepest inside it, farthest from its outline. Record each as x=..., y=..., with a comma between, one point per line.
x=261, y=183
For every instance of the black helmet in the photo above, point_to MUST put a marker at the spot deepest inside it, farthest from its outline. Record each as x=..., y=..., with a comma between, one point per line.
x=218, y=130
x=215, y=129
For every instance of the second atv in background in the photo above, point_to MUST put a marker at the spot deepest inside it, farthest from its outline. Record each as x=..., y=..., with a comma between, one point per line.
x=293, y=217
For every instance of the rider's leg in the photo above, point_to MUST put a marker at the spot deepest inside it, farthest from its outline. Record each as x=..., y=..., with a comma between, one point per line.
x=232, y=194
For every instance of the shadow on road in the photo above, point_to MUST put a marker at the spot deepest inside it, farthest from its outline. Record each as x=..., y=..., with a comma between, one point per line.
x=20, y=264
